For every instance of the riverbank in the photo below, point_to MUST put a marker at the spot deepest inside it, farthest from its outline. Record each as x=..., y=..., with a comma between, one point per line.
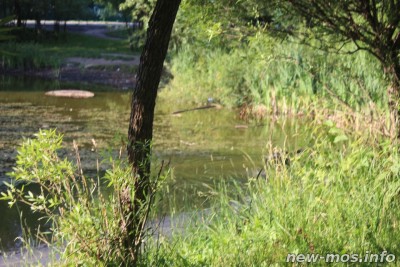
x=84, y=54
x=340, y=196
x=117, y=73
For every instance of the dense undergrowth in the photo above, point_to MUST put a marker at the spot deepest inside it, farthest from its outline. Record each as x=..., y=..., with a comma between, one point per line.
x=282, y=75
x=340, y=195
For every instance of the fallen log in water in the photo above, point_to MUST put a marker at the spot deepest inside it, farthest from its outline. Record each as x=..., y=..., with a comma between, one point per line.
x=70, y=93
x=198, y=108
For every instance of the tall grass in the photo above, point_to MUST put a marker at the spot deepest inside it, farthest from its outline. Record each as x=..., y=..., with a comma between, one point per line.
x=26, y=56
x=280, y=74
x=338, y=196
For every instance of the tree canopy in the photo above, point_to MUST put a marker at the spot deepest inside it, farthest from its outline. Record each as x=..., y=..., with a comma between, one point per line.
x=371, y=25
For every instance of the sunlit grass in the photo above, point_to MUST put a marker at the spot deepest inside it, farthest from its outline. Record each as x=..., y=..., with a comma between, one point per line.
x=79, y=45
x=279, y=74
x=335, y=197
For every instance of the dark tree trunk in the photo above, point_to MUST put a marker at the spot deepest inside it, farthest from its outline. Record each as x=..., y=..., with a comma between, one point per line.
x=142, y=114
x=17, y=11
x=56, y=27
x=390, y=61
x=393, y=93
x=38, y=26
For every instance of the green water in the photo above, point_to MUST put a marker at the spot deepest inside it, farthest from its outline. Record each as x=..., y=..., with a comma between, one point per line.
x=202, y=146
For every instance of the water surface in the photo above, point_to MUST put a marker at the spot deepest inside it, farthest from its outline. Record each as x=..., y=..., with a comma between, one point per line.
x=202, y=146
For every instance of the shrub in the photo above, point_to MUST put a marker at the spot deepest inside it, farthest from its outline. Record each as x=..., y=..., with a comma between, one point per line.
x=87, y=222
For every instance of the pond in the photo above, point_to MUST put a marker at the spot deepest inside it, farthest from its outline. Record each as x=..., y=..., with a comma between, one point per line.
x=203, y=146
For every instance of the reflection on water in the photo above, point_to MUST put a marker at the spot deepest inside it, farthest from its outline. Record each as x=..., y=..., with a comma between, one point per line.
x=202, y=145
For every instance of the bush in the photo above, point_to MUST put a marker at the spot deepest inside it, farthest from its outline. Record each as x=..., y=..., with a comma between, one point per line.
x=87, y=219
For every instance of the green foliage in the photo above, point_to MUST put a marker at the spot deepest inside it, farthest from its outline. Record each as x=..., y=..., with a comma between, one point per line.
x=140, y=9
x=248, y=53
x=218, y=23
x=266, y=70
x=371, y=26
x=86, y=214
x=70, y=9
x=335, y=197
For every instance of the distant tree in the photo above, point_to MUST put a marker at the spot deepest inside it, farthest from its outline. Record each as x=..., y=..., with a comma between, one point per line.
x=225, y=23
x=141, y=120
x=140, y=10
x=112, y=8
x=63, y=10
x=17, y=12
x=372, y=25
x=58, y=10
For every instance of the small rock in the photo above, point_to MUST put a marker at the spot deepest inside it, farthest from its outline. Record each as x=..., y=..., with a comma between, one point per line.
x=70, y=93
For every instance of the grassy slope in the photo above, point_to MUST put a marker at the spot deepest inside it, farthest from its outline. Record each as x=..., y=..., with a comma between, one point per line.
x=51, y=52
x=85, y=46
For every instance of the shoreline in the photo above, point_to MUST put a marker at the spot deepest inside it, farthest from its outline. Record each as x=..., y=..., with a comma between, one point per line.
x=98, y=76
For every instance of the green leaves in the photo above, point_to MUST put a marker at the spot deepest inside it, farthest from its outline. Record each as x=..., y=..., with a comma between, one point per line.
x=340, y=138
x=86, y=223
x=336, y=135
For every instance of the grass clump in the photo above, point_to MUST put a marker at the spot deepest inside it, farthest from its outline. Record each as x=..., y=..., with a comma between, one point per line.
x=339, y=196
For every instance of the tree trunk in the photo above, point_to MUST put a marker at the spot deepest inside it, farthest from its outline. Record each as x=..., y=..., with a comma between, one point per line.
x=56, y=27
x=17, y=11
x=393, y=92
x=141, y=119
x=394, y=107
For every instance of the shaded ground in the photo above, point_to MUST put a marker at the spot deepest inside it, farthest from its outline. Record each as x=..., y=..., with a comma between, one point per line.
x=93, y=28
x=90, y=62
